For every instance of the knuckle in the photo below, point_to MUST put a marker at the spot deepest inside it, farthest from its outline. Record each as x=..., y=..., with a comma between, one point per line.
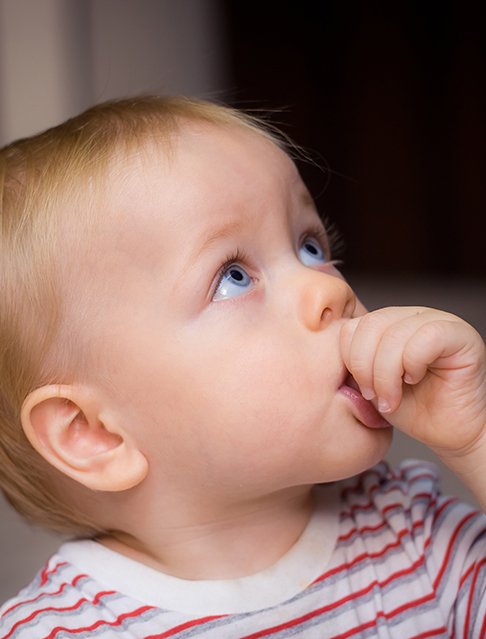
x=371, y=322
x=359, y=367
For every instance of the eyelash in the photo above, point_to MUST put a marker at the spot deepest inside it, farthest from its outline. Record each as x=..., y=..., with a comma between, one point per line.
x=329, y=238
x=237, y=257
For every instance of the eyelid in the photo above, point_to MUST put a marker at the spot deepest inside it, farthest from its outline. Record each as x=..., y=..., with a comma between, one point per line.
x=239, y=258
x=319, y=233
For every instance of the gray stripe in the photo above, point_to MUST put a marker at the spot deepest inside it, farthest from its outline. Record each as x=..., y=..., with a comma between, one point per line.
x=456, y=548
x=59, y=614
x=40, y=598
x=358, y=536
x=35, y=584
x=122, y=630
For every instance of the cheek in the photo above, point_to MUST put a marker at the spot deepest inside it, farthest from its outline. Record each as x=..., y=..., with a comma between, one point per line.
x=262, y=387
x=231, y=387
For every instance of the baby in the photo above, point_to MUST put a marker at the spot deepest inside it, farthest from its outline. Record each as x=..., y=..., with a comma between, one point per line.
x=191, y=390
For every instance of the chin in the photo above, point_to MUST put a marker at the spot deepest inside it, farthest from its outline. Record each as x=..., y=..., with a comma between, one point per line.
x=381, y=445
x=364, y=455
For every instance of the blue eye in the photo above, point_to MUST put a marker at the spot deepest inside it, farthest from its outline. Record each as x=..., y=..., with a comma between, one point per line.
x=311, y=253
x=233, y=282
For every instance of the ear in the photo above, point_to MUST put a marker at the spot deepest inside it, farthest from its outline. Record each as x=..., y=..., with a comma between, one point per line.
x=67, y=426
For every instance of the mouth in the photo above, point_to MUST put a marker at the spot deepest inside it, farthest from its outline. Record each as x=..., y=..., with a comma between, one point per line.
x=351, y=382
x=363, y=409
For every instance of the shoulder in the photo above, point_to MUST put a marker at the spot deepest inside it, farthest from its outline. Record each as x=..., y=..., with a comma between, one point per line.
x=404, y=510
x=386, y=507
x=49, y=587
x=58, y=595
x=407, y=497
x=412, y=485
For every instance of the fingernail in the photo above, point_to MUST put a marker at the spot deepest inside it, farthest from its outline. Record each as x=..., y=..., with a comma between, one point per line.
x=407, y=378
x=367, y=393
x=383, y=406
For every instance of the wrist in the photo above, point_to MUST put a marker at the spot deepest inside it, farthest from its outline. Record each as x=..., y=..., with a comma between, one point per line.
x=469, y=466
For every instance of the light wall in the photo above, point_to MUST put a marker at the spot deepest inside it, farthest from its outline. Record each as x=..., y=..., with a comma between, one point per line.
x=59, y=56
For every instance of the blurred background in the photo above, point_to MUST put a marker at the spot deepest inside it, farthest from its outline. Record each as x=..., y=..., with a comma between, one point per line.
x=388, y=99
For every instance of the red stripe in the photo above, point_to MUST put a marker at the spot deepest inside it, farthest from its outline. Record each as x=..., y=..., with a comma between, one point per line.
x=419, y=477
x=302, y=619
x=465, y=577
x=102, y=622
x=483, y=629
x=390, y=615
x=417, y=466
x=402, y=573
x=358, y=487
x=452, y=541
x=411, y=604
x=360, y=629
x=431, y=633
x=361, y=531
x=46, y=572
x=470, y=599
x=394, y=613
x=45, y=594
x=313, y=613
x=362, y=557
x=386, y=471
x=370, y=505
x=395, y=506
x=370, y=624
x=443, y=506
x=437, y=514
x=369, y=529
x=340, y=602
x=35, y=613
x=185, y=626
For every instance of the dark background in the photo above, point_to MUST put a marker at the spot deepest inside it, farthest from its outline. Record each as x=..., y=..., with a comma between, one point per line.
x=391, y=96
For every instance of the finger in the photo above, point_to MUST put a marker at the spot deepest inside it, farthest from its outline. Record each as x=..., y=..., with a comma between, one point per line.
x=441, y=344
x=356, y=351
x=345, y=339
x=388, y=366
x=361, y=343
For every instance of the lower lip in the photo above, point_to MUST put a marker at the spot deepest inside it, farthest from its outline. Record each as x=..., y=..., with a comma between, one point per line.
x=366, y=413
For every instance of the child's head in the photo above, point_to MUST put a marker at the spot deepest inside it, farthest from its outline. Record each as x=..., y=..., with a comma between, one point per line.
x=170, y=317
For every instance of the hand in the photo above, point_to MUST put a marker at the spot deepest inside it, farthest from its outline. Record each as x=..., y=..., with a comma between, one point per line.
x=425, y=370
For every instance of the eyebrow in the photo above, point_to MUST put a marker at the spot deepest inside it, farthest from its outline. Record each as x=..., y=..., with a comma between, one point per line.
x=223, y=231
x=233, y=226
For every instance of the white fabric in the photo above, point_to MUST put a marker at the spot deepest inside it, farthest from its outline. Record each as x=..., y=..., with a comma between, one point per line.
x=301, y=565
x=391, y=558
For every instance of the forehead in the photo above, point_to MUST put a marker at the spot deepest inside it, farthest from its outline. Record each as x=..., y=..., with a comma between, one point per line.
x=209, y=172
x=205, y=162
x=159, y=198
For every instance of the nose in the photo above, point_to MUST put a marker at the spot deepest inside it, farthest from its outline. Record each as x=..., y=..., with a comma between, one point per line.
x=323, y=297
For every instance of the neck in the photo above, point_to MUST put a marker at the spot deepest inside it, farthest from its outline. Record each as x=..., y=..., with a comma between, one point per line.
x=230, y=543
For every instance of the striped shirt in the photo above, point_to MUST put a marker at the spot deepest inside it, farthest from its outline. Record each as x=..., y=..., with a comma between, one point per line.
x=384, y=555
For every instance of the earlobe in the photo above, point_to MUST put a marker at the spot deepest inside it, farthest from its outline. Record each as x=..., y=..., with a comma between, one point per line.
x=71, y=429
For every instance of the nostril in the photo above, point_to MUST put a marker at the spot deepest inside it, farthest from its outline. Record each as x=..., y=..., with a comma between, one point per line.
x=326, y=315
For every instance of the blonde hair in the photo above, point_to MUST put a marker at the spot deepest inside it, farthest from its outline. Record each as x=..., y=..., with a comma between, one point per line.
x=44, y=182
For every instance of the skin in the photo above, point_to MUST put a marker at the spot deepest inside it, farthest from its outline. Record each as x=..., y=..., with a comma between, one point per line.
x=231, y=395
